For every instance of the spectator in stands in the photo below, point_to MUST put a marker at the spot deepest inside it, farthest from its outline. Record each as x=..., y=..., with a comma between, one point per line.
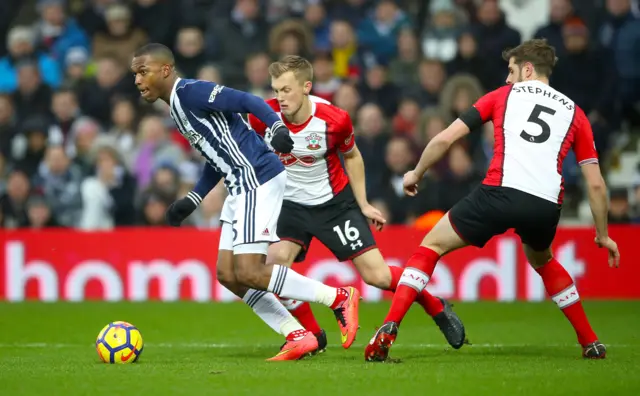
x=20, y=42
x=315, y=16
x=91, y=17
x=33, y=97
x=376, y=88
x=166, y=180
x=458, y=95
x=493, y=36
x=210, y=72
x=290, y=37
x=84, y=134
x=122, y=134
x=39, y=213
x=8, y=127
x=230, y=39
x=399, y=158
x=30, y=145
x=433, y=120
x=75, y=68
x=56, y=32
x=59, y=181
x=189, y=51
x=439, y=40
x=432, y=76
x=348, y=99
x=155, y=149
x=351, y=11
x=346, y=56
x=372, y=138
x=325, y=83
x=153, y=209
x=459, y=181
x=147, y=13
x=588, y=76
x=110, y=80
x=379, y=32
x=619, y=208
x=553, y=31
x=13, y=204
x=66, y=111
x=468, y=60
x=121, y=39
x=621, y=34
x=109, y=195
x=405, y=122
x=403, y=69
x=257, y=72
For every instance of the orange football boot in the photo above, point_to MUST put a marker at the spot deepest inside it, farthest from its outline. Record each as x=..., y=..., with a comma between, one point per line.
x=299, y=344
x=347, y=315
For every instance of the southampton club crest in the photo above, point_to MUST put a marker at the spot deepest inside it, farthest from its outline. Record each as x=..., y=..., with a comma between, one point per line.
x=314, y=141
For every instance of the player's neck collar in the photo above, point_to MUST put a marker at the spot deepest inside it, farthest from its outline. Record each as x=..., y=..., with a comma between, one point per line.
x=173, y=91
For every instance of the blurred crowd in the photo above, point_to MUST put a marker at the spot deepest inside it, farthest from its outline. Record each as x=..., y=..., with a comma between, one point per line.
x=79, y=149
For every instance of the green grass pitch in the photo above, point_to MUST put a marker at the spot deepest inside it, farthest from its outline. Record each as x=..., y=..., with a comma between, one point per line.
x=219, y=349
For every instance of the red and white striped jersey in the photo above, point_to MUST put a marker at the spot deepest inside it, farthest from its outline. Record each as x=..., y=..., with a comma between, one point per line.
x=534, y=128
x=314, y=172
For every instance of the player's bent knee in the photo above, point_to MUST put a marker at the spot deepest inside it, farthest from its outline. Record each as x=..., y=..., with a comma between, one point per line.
x=226, y=276
x=249, y=269
x=537, y=258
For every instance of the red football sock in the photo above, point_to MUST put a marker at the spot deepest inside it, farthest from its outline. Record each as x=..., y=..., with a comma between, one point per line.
x=302, y=312
x=563, y=292
x=431, y=304
x=414, y=278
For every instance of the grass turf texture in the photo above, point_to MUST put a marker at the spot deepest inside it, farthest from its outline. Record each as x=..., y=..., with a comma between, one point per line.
x=219, y=349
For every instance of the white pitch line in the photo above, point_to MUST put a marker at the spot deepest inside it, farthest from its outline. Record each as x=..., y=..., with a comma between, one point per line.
x=35, y=345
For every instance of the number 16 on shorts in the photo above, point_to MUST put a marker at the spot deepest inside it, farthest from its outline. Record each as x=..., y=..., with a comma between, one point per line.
x=349, y=235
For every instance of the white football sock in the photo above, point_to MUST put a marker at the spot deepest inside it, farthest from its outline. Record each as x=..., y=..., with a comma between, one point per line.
x=271, y=311
x=287, y=283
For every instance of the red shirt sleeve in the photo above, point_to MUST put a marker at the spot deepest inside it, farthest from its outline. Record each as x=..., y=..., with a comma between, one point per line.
x=487, y=103
x=347, y=138
x=257, y=125
x=583, y=145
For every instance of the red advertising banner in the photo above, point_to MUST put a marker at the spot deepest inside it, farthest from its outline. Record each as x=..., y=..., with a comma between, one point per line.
x=171, y=264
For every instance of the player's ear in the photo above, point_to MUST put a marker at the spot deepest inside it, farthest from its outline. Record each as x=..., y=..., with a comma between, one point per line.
x=307, y=87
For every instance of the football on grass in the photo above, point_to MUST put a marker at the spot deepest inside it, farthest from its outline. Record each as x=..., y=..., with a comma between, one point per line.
x=119, y=342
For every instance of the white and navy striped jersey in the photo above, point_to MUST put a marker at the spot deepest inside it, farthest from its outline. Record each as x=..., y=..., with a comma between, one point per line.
x=207, y=115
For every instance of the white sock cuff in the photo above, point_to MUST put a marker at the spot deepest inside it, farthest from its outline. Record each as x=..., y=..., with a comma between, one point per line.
x=252, y=296
x=414, y=278
x=278, y=275
x=567, y=297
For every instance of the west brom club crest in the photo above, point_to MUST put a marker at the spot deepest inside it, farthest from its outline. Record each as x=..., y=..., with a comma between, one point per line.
x=314, y=141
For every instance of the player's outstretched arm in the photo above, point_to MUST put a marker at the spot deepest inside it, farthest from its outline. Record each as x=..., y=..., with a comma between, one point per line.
x=183, y=207
x=214, y=97
x=440, y=144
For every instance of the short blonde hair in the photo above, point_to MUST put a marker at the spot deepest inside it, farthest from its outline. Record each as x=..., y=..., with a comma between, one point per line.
x=301, y=68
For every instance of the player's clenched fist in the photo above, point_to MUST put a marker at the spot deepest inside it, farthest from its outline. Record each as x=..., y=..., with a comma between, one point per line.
x=410, y=183
x=182, y=208
x=281, y=141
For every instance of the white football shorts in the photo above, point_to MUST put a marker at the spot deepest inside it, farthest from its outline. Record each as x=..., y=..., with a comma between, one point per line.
x=250, y=219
